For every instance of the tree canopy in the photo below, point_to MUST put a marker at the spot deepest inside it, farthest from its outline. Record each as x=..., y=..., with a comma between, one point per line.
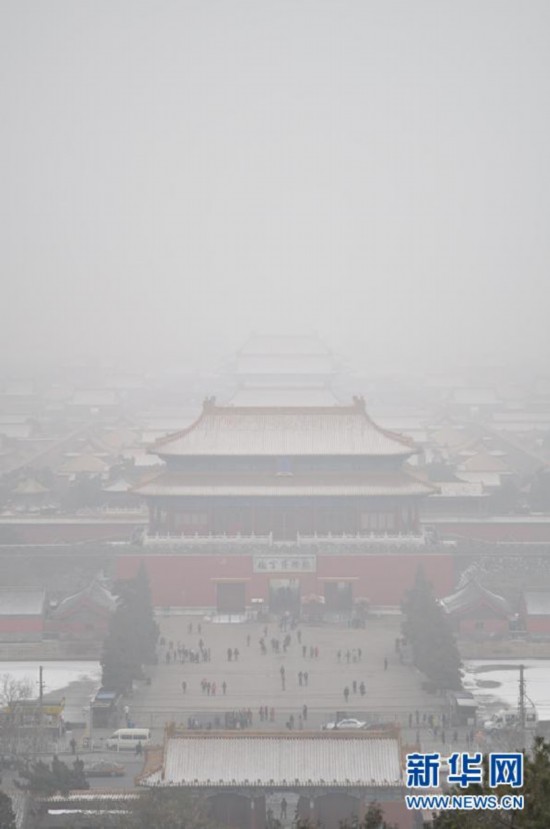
x=44, y=779
x=7, y=816
x=132, y=635
x=427, y=628
x=169, y=810
x=535, y=789
x=373, y=819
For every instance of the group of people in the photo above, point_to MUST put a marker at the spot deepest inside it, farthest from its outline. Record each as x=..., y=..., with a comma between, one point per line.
x=182, y=654
x=356, y=687
x=207, y=687
x=354, y=655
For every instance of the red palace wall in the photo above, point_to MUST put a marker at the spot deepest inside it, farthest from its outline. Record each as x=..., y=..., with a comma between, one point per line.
x=190, y=580
x=468, y=626
x=21, y=625
x=538, y=625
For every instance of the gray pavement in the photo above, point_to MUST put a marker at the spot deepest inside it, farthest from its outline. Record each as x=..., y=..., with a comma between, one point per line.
x=254, y=680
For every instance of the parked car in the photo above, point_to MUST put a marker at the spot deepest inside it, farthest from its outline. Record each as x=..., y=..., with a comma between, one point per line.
x=343, y=725
x=104, y=768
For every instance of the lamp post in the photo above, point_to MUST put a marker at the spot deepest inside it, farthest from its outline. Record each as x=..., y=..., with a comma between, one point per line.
x=91, y=724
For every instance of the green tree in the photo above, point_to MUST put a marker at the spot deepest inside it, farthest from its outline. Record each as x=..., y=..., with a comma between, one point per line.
x=7, y=817
x=535, y=790
x=132, y=636
x=41, y=778
x=373, y=819
x=84, y=493
x=169, y=809
x=147, y=628
x=121, y=658
x=427, y=628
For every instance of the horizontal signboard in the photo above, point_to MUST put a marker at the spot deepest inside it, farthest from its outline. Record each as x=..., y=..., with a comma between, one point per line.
x=284, y=564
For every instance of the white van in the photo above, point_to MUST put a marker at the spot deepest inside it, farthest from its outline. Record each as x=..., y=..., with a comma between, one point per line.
x=510, y=719
x=128, y=738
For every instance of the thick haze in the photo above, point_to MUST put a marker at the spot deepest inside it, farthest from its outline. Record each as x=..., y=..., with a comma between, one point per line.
x=177, y=174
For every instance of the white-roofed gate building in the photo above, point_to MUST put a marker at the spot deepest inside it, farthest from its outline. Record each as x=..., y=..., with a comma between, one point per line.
x=330, y=777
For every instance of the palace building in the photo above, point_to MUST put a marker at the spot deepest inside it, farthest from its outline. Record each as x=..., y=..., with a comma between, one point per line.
x=286, y=472
x=275, y=504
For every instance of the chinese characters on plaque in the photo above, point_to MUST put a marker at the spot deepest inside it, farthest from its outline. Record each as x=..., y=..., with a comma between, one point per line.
x=284, y=564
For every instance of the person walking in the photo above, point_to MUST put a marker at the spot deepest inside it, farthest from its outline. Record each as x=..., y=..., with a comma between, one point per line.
x=306, y=678
x=283, y=808
x=300, y=678
x=304, y=712
x=224, y=687
x=362, y=689
x=354, y=686
x=184, y=687
x=229, y=654
x=236, y=654
x=304, y=651
x=346, y=693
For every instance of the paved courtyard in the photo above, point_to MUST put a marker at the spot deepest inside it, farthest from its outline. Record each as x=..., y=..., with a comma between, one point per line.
x=254, y=679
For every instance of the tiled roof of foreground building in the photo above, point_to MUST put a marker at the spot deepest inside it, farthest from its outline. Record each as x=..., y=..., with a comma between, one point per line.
x=210, y=760
x=281, y=431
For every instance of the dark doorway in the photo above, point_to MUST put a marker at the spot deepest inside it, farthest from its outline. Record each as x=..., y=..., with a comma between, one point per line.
x=284, y=595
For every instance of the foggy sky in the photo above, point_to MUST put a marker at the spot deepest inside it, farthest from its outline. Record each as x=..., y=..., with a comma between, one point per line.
x=175, y=175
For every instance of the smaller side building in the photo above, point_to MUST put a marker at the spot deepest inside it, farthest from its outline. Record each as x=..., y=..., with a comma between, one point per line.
x=535, y=612
x=84, y=615
x=475, y=611
x=22, y=614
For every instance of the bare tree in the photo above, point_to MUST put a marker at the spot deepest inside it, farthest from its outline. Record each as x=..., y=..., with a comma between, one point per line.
x=12, y=691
